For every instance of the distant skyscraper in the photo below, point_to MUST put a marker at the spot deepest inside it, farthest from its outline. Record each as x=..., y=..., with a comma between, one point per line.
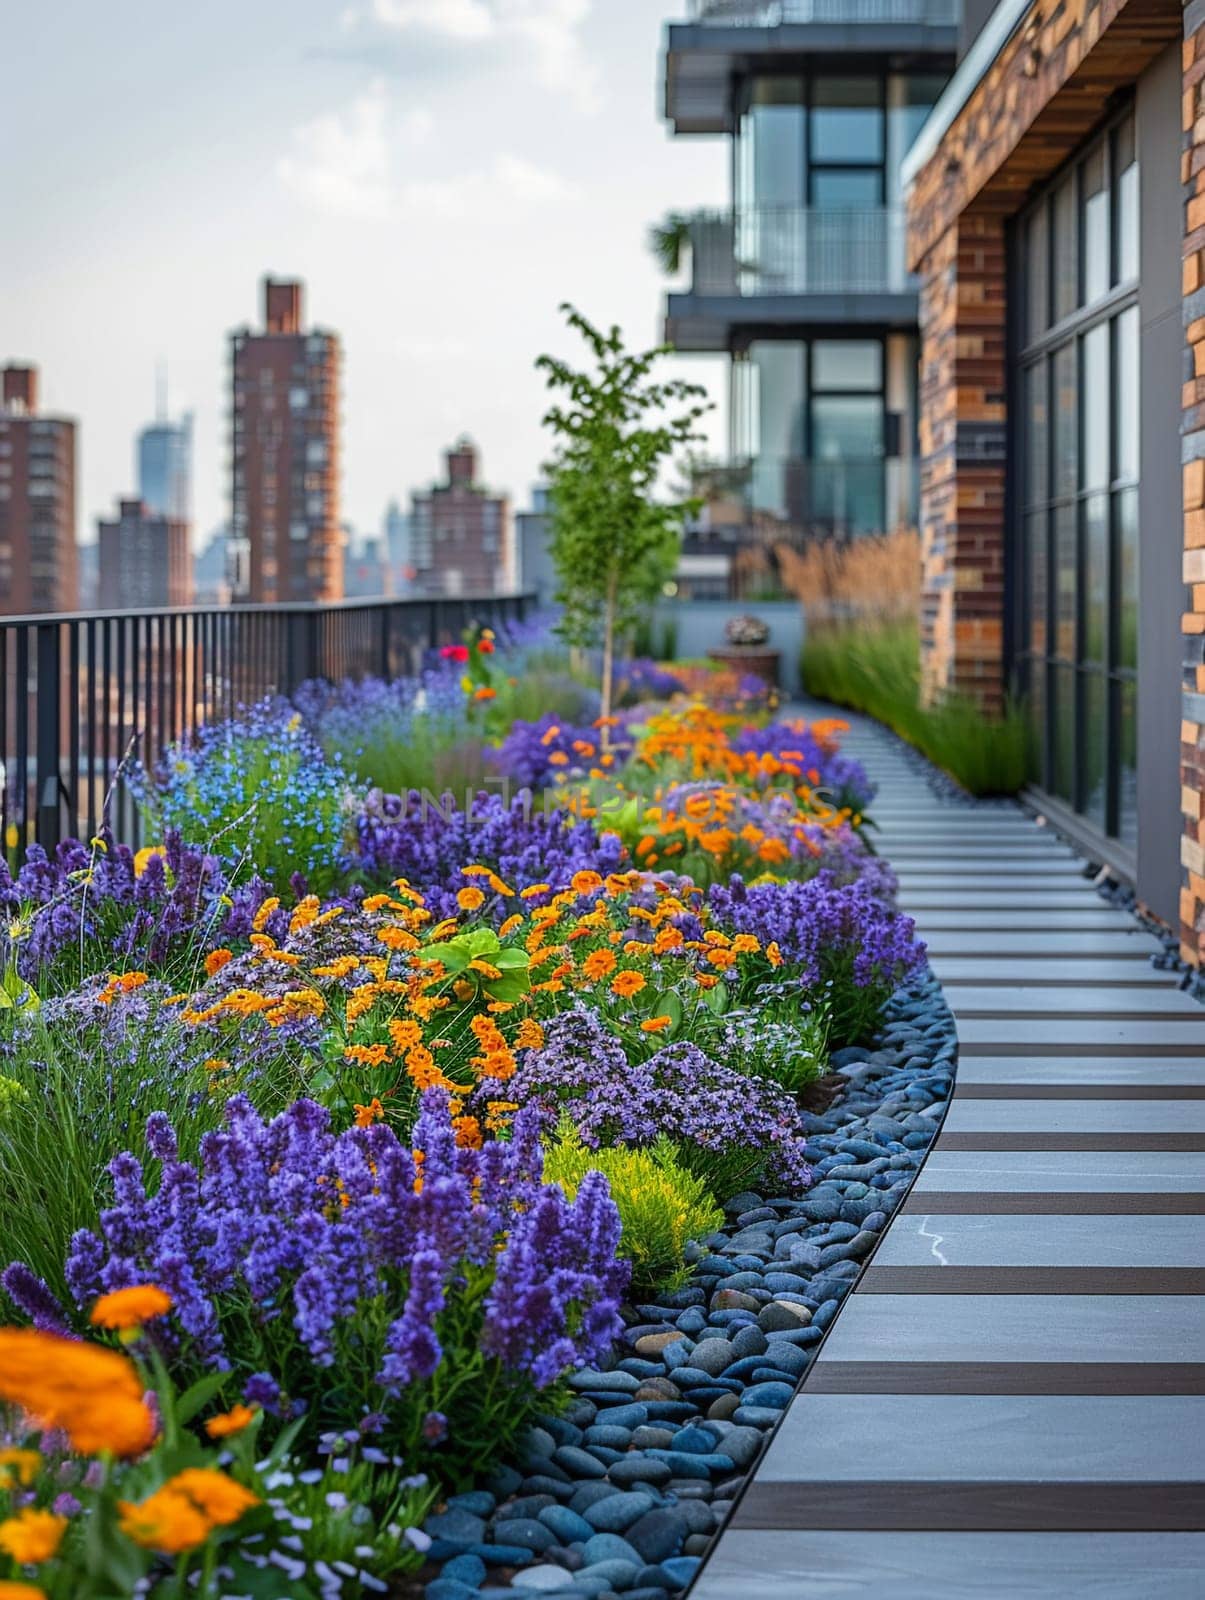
x=533, y=536
x=165, y=467
x=285, y=539
x=461, y=536
x=210, y=571
x=397, y=547
x=145, y=560
x=38, y=559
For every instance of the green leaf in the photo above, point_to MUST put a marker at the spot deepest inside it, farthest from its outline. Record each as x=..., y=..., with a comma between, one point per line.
x=199, y=1394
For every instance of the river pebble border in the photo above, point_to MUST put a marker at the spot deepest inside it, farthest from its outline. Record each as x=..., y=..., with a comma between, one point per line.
x=623, y=1493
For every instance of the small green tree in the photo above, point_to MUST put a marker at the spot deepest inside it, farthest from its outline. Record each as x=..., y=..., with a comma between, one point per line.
x=613, y=543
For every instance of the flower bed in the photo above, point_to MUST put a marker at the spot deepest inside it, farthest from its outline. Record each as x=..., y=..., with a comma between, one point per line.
x=445, y=1165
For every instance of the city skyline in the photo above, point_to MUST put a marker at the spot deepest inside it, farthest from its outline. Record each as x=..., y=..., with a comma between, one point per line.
x=356, y=163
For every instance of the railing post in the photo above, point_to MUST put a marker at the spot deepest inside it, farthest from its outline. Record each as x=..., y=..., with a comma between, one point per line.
x=301, y=649
x=48, y=749
x=385, y=632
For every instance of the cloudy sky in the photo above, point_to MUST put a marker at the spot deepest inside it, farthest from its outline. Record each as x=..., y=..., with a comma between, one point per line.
x=441, y=173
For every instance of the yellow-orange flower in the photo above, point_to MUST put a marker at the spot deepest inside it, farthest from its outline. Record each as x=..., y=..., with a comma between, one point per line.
x=20, y=1591
x=655, y=1024
x=93, y=1394
x=232, y=1421
x=774, y=954
x=32, y=1535
x=530, y=1035
x=167, y=1521
x=374, y=1111
x=627, y=983
x=470, y=899
x=130, y=1308
x=534, y=889
x=18, y=1466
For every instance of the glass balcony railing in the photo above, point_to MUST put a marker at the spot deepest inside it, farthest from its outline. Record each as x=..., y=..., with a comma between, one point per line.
x=768, y=13
x=796, y=499
x=798, y=250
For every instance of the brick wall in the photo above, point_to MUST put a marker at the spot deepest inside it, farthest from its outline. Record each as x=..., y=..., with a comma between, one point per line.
x=1049, y=85
x=1192, y=725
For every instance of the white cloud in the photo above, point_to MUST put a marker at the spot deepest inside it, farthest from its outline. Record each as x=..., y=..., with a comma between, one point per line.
x=340, y=160
x=343, y=163
x=545, y=33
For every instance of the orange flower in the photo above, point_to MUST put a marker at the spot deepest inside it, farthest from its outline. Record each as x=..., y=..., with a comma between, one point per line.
x=530, y=1035
x=655, y=1024
x=166, y=1521
x=20, y=1591
x=216, y=960
x=485, y=693
x=367, y=1055
x=221, y=1499
x=32, y=1536
x=374, y=1111
x=549, y=735
x=485, y=646
x=95, y=1395
x=534, y=889
x=599, y=964
x=232, y=1421
x=404, y=1036
x=468, y=1132
x=627, y=983
x=585, y=882
x=130, y=1308
x=774, y=954
x=470, y=899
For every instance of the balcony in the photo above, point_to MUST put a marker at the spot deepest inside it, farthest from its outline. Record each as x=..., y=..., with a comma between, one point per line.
x=724, y=39
x=779, y=266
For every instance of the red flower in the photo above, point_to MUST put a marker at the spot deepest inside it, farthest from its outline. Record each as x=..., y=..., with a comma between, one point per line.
x=486, y=646
x=455, y=652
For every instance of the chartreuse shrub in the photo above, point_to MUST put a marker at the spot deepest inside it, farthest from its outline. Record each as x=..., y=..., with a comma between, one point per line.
x=875, y=667
x=662, y=1206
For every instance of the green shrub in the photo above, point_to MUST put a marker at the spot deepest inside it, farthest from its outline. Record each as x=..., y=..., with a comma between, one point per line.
x=875, y=669
x=661, y=1205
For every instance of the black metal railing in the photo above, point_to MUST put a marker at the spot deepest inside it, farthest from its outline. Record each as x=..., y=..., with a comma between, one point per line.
x=81, y=692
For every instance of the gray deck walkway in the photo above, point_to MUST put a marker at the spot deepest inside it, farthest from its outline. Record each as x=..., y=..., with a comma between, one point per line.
x=1011, y=1404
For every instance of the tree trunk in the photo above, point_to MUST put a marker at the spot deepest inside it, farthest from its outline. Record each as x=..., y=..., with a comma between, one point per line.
x=608, y=660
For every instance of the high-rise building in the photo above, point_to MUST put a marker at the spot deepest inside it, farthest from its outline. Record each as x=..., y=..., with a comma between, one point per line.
x=165, y=467
x=284, y=431
x=145, y=559
x=210, y=570
x=801, y=280
x=38, y=560
x=533, y=538
x=397, y=548
x=461, y=536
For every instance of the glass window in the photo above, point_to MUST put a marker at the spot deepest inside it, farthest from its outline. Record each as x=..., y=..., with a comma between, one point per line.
x=1037, y=433
x=1126, y=391
x=1066, y=576
x=1037, y=267
x=1095, y=391
x=1127, y=764
x=1125, y=164
x=1096, y=579
x=1035, y=544
x=1126, y=649
x=1066, y=249
x=1094, y=189
x=847, y=426
x=775, y=420
x=1094, y=691
x=771, y=155
x=1035, y=693
x=852, y=189
x=1062, y=717
x=847, y=364
x=847, y=119
x=1066, y=421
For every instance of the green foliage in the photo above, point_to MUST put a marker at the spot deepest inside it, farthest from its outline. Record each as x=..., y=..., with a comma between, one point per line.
x=615, y=428
x=667, y=239
x=790, y=1049
x=875, y=668
x=662, y=1206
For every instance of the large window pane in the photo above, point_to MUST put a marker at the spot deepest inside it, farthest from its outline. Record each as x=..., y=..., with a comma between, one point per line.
x=1062, y=718
x=1096, y=579
x=1125, y=164
x=1094, y=702
x=1039, y=581
x=847, y=119
x=776, y=422
x=847, y=364
x=1037, y=437
x=771, y=157
x=855, y=189
x=1066, y=574
x=1127, y=579
x=1037, y=268
x=1066, y=422
x=1094, y=189
x=1095, y=390
x=1035, y=690
x=1126, y=392
x=1066, y=249
x=847, y=426
x=1127, y=764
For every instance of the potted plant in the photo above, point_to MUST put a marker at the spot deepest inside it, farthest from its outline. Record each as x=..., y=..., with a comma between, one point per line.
x=746, y=640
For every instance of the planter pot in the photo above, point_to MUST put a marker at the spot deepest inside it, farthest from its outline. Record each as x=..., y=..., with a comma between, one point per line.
x=752, y=658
